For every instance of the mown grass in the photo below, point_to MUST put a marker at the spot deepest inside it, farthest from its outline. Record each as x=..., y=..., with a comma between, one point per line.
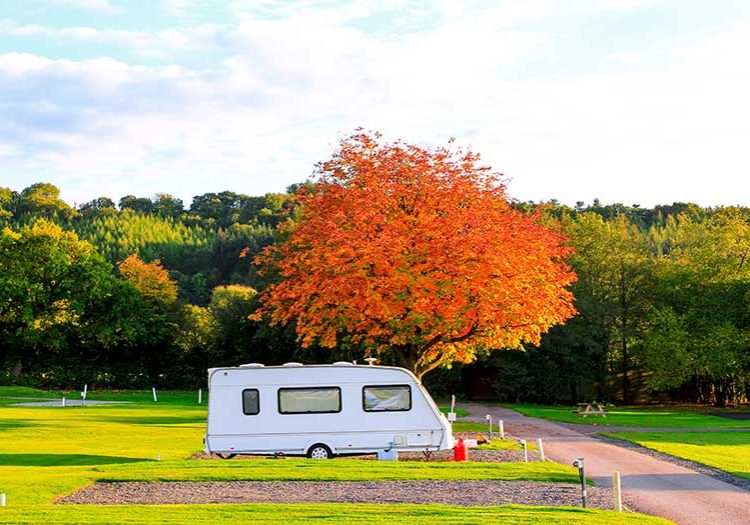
x=47, y=452
x=338, y=470
x=634, y=417
x=460, y=412
x=468, y=426
x=323, y=513
x=728, y=451
x=504, y=444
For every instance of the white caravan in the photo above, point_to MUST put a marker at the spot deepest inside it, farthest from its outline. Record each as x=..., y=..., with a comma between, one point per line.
x=321, y=411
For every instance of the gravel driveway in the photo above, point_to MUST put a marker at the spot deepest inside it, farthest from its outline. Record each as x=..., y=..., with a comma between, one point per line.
x=447, y=492
x=478, y=456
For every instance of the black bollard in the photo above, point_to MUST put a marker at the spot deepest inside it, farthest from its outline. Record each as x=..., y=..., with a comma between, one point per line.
x=579, y=464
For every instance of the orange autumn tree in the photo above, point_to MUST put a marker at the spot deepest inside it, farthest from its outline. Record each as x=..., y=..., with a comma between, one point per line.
x=151, y=279
x=415, y=252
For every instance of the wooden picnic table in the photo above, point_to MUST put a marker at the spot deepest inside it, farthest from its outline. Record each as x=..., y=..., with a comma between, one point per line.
x=593, y=408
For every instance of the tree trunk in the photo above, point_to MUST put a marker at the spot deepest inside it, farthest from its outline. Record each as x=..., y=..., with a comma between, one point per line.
x=627, y=393
x=626, y=390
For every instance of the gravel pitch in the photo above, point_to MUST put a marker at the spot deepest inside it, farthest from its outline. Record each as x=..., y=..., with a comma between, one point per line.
x=446, y=492
x=481, y=456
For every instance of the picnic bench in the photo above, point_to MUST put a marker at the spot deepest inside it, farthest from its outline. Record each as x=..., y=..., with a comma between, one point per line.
x=589, y=409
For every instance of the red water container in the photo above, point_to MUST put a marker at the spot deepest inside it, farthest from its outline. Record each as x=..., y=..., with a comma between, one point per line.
x=460, y=451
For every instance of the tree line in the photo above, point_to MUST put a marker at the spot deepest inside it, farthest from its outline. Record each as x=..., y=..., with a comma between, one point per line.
x=149, y=292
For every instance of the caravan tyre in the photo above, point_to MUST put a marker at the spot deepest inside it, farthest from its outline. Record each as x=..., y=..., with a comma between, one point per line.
x=319, y=451
x=226, y=456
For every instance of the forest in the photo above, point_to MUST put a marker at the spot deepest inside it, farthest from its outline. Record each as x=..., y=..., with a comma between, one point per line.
x=151, y=292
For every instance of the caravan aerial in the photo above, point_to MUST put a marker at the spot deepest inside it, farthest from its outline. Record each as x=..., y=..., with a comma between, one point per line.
x=321, y=411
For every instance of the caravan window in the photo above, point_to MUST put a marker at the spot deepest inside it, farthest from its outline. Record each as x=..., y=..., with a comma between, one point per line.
x=386, y=398
x=250, y=402
x=318, y=400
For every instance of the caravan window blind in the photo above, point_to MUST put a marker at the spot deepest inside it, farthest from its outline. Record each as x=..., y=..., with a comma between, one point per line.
x=316, y=400
x=386, y=398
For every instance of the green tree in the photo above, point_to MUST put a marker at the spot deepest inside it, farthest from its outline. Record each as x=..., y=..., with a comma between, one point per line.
x=48, y=280
x=612, y=261
x=42, y=200
x=195, y=338
x=8, y=200
x=97, y=207
x=699, y=333
x=137, y=204
x=165, y=205
x=229, y=308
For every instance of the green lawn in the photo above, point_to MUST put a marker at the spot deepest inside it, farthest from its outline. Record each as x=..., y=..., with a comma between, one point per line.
x=49, y=452
x=338, y=470
x=333, y=513
x=634, y=417
x=460, y=412
x=728, y=451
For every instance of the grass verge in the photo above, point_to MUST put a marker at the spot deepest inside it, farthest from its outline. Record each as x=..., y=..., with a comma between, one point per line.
x=634, y=417
x=334, y=513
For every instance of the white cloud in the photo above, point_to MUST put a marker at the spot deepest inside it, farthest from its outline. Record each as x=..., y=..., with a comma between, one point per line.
x=96, y=5
x=287, y=87
x=162, y=43
x=179, y=8
x=9, y=150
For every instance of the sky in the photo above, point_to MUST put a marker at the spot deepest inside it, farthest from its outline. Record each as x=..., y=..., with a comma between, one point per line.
x=631, y=101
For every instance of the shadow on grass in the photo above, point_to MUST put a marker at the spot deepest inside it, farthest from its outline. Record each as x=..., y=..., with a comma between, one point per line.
x=154, y=420
x=12, y=424
x=61, y=460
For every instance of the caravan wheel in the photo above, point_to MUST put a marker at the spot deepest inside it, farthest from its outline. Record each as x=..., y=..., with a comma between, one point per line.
x=319, y=451
x=226, y=456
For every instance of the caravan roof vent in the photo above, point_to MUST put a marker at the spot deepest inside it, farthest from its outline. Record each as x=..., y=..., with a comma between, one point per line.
x=343, y=363
x=252, y=365
x=292, y=364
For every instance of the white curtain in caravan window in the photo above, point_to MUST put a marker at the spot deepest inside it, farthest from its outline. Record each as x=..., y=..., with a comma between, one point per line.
x=385, y=398
x=309, y=400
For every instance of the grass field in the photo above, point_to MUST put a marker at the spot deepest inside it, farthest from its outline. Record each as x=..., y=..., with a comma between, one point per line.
x=634, y=417
x=324, y=513
x=460, y=412
x=728, y=451
x=49, y=452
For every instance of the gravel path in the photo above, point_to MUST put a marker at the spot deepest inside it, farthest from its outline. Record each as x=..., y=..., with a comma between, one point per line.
x=480, y=456
x=446, y=492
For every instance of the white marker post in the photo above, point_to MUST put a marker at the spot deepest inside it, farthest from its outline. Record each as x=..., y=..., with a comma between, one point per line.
x=158, y=457
x=153, y=391
x=525, y=450
x=540, y=446
x=501, y=428
x=489, y=424
x=200, y=396
x=2, y=500
x=617, y=491
x=452, y=413
x=63, y=402
x=84, y=393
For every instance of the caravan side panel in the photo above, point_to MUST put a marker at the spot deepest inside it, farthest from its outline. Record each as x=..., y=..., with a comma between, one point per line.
x=351, y=429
